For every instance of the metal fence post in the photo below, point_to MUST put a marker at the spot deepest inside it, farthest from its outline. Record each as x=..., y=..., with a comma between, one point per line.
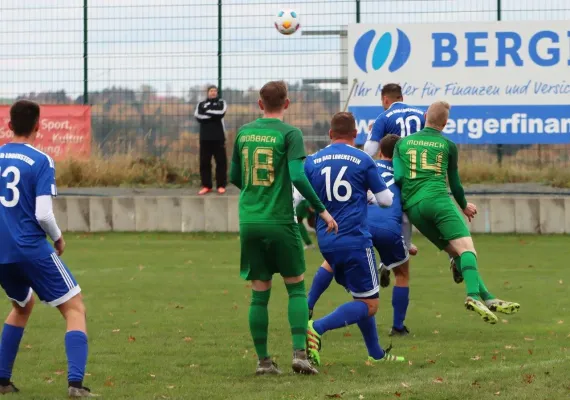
x=499, y=146
x=220, y=47
x=85, y=56
x=357, y=11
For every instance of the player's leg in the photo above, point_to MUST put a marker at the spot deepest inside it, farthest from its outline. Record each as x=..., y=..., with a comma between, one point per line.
x=432, y=218
x=55, y=285
x=20, y=293
x=477, y=293
x=289, y=257
x=258, y=318
x=395, y=257
x=255, y=266
x=321, y=282
x=407, y=234
x=454, y=229
x=302, y=212
x=400, y=299
x=358, y=273
x=377, y=241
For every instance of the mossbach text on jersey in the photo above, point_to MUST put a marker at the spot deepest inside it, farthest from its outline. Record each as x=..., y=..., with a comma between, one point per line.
x=258, y=138
x=437, y=145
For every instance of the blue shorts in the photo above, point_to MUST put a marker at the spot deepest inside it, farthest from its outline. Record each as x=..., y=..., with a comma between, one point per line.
x=48, y=277
x=355, y=270
x=390, y=245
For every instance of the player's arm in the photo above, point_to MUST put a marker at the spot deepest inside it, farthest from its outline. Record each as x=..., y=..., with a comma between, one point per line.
x=45, y=190
x=295, y=155
x=218, y=110
x=384, y=196
x=373, y=143
x=302, y=184
x=46, y=217
x=398, y=166
x=200, y=112
x=453, y=177
x=235, y=168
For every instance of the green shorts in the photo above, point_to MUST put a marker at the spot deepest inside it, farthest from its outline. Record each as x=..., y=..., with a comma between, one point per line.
x=271, y=249
x=439, y=220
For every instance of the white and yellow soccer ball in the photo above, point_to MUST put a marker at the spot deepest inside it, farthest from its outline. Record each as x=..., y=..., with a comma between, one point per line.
x=287, y=22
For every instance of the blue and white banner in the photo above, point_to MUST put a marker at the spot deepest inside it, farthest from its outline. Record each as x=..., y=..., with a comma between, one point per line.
x=507, y=82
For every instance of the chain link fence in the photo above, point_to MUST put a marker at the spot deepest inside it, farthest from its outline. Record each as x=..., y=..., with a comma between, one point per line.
x=143, y=65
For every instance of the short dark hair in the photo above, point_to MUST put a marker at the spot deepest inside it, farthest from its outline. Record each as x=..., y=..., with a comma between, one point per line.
x=210, y=87
x=343, y=123
x=273, y=95
x=392, y=90
x=24, y=115
x=387, y=145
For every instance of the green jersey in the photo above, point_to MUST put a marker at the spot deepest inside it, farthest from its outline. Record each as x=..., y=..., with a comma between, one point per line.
x=263, y=149
x=424, y=159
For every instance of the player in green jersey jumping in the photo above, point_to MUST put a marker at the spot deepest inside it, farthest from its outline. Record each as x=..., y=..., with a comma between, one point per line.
x=421, y=163
x=267, y=160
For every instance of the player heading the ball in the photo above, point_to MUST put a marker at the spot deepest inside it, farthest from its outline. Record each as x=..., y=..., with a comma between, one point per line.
x=28, y=262
x=421, y=164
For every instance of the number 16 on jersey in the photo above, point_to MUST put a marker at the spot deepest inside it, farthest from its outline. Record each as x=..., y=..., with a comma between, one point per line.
x=338, y=183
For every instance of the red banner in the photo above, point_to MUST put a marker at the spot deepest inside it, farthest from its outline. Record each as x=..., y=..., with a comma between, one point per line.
x=65, y=131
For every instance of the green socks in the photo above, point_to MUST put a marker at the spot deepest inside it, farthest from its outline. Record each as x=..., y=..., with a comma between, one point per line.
x=298, y=317
x=298, y=314
x=483, y=291
x=485, y=295
x=470, y=274
x=259, y=321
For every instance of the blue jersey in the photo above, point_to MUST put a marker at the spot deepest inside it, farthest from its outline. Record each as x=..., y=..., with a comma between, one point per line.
x=400, y=119
x=341, y=176
x=389, y=217
x=25, y=173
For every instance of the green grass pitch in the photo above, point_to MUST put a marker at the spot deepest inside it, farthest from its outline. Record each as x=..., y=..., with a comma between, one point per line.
x=168, y=320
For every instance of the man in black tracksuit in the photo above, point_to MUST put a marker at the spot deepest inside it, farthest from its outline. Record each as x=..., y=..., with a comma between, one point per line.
x=210, y=114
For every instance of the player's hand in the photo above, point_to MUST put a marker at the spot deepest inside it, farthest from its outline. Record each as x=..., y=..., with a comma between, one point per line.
x=329, y=220
x=59, y=245
x=470, y=211
x=413, y=250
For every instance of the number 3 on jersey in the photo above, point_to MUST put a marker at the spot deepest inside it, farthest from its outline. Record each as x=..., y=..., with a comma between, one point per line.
x=260, y=171
x=338, y=183
x=12, y=186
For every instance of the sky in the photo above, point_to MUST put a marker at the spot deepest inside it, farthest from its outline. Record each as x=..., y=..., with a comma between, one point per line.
x=172, y=44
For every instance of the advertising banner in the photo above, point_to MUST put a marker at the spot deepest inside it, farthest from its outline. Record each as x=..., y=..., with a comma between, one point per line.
x=507, y=82
x=65, y=131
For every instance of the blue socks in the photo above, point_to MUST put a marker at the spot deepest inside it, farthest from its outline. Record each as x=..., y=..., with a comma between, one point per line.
x=76, y=350
x=370, y=333
x=346, y=314
x=400, y=300
x=11, y=337
x=321, y=282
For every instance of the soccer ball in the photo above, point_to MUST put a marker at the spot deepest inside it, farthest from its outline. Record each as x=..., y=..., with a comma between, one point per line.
x=287, y=22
